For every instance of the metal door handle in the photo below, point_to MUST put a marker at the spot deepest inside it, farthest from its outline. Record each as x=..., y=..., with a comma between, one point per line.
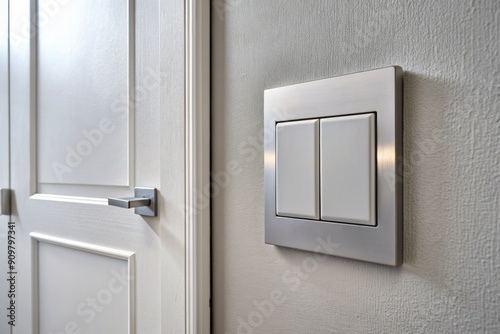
x=5, y=195
x=129, y=202
x=144, y=201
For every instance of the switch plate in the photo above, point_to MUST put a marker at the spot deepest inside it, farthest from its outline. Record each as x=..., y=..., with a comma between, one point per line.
x=297, y=169
x=348, y=169
x=378, y=92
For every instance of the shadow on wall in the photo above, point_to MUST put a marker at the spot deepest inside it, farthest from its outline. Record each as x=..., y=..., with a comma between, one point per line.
x=425, y=165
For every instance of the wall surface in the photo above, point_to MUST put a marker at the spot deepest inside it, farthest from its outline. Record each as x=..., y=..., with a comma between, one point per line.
x=450, y=280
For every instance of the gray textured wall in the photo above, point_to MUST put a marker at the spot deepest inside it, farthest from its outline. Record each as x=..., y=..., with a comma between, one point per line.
x=450, y=280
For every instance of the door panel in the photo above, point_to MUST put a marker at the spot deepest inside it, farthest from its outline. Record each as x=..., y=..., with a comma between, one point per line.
x=95, y=282
x=85, y=60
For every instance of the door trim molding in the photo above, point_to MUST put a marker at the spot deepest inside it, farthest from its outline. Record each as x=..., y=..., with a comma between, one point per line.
x=197, y=170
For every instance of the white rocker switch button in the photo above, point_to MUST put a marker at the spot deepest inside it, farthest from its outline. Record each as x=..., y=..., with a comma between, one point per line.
x=348, y=160
x=297, y=169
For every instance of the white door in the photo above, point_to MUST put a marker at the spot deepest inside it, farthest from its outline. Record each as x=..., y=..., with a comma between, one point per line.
x=100, y=104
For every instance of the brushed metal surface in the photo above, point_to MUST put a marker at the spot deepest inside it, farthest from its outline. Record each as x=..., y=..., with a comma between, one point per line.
x=378, y=91
x=129, y=202
x=144, y=201
x=152, y=194
x=5, y=195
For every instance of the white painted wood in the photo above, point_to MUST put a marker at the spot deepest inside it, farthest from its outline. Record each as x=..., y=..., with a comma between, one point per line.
x=169, y=150
x=82, y=246
x=115, y=281
x=198, y=166
x=75, y=219
x=4, y=150
x=171, y=202
x=84, y=62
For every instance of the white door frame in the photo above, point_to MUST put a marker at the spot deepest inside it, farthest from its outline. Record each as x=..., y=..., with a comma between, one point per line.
x=197, y=122
x=197, y=39
x=193, y=71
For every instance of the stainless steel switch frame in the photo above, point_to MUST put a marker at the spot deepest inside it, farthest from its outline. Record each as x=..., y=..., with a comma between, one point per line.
x=379, y=91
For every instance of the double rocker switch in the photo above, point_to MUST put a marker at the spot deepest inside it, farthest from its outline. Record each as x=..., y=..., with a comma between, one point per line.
x=334, y=142
x=325, y=169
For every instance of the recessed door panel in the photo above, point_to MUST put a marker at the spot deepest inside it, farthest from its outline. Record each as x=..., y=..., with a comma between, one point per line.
x=81, y=292
x=84, y=60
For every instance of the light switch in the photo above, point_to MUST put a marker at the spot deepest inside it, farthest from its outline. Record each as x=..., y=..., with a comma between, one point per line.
x=297, y=169
x=325, y=179
x=347, y=154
